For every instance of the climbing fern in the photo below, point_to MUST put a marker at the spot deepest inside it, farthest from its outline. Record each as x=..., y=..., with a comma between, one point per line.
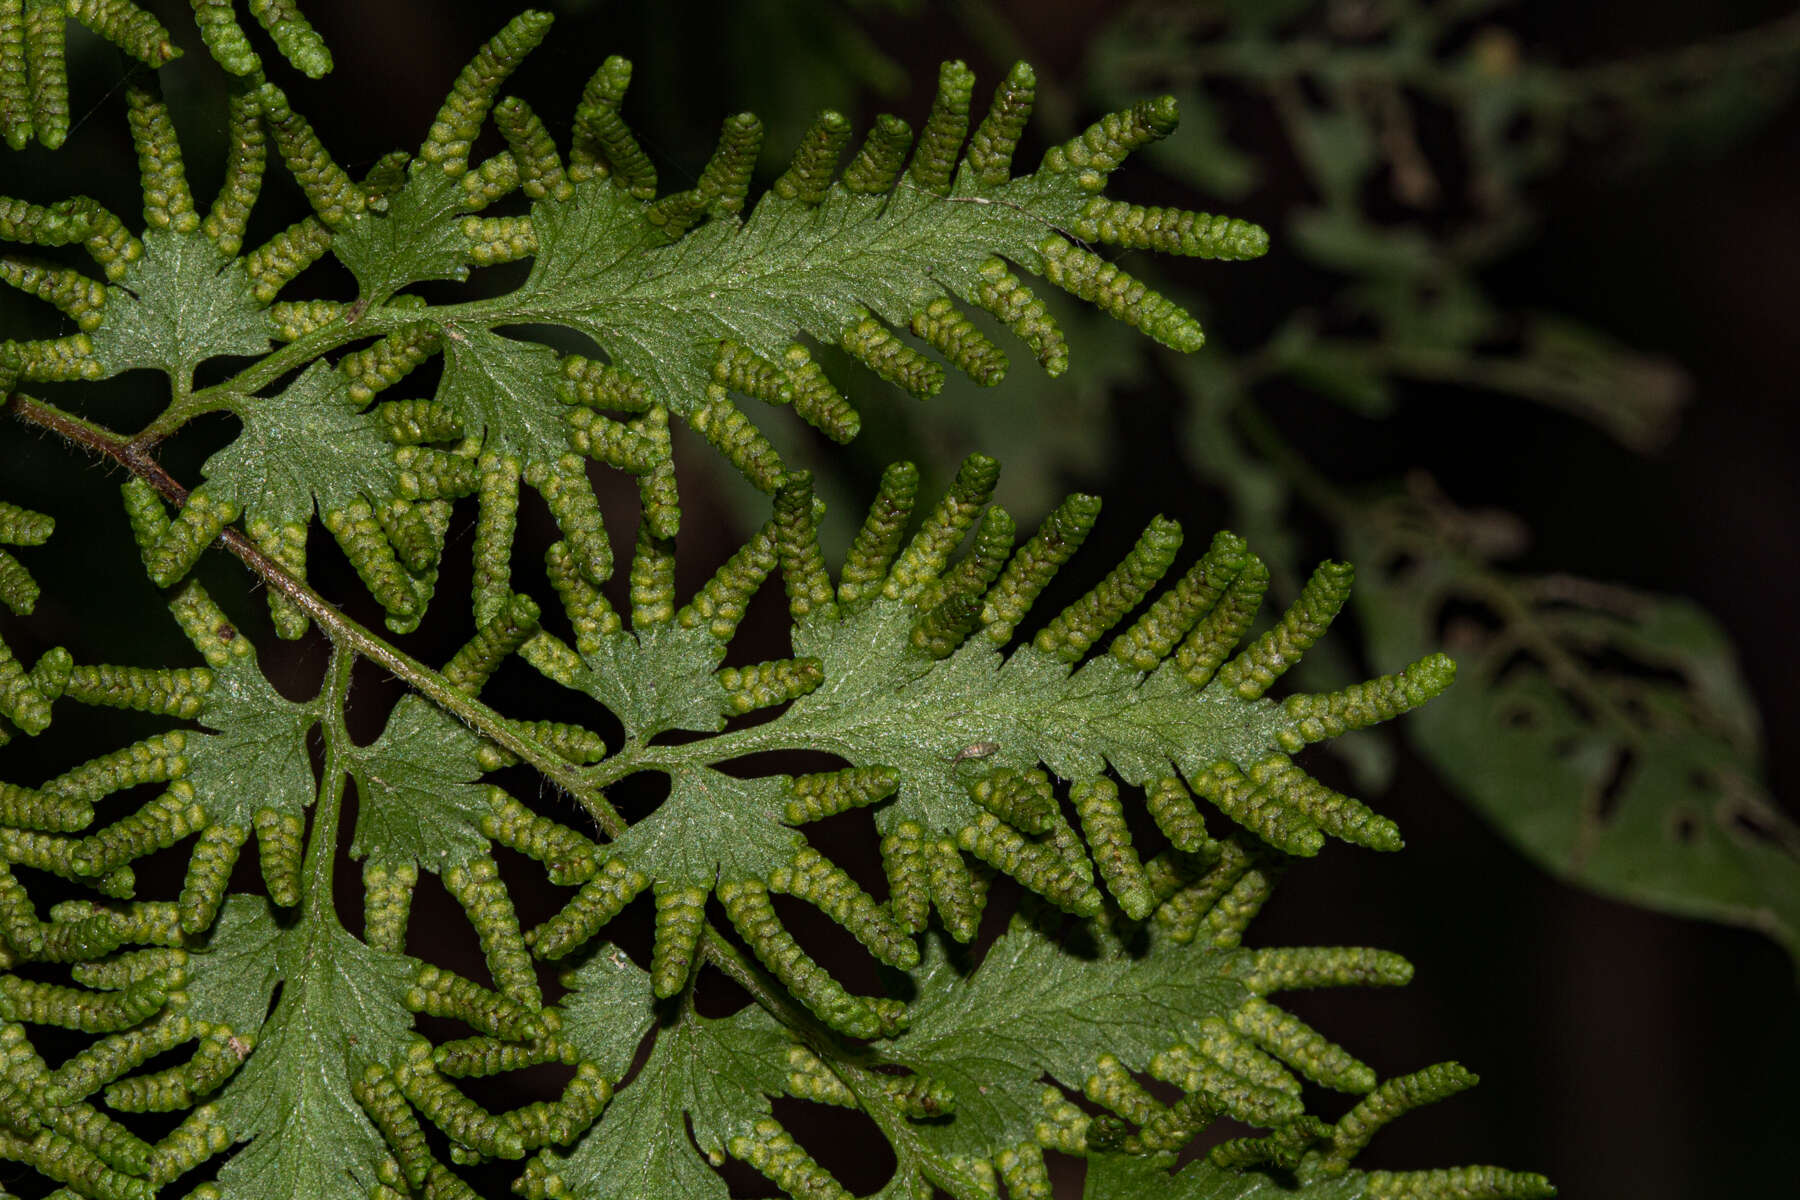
x=1114, y=772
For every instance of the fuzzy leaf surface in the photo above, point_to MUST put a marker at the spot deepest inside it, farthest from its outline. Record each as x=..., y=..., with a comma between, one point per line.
x=415, y=240
x=505, y=392
x=338, y=1011
x=659, y=309
x=883, y=703
x=255, y=755
x=304, y=448
x=180, y=304
x=1042, y=1005
x=418, y=803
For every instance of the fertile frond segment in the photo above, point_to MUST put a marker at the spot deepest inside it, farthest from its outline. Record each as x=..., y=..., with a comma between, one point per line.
x=816, y=797
x=568, y=856
x=45, y=61
x=723, y=184
x=1259, y=664
x=1459, y=1183
x=1170, y=231
x=279, y=843
x=1156, y=634
x=808, y=176
x=1080, y=625
x=680, y=918
x=878, y=540
x=34, y=84
x=80, y=298
x=534, y=155
x=387, y=904
x=940, y=141
x=20, y=527
x=329, y=189
x=747, y=904
x=604, y=144
x=292, y=33
x=991, y=148
x=473, y=94
x=600, y=899
x=877, y=165
x=476, y=886
x=1314, y=718
x=248, y=152
x=128, y=27
x=1087, y=276
x=167, y=202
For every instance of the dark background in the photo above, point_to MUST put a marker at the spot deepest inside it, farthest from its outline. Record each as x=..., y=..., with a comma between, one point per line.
x=1623, y=1053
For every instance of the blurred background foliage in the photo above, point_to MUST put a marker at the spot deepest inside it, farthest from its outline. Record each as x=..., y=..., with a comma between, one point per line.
x=1523, y=350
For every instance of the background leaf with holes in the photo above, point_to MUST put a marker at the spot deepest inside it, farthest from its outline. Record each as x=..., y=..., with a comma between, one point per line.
x=1605, y=731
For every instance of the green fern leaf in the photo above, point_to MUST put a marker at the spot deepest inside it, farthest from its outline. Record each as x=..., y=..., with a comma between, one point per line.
x=629, y=1155
x=419, y=803
x=339, y=1011
x=847, y=263
x=949, y=725
x=182, y=302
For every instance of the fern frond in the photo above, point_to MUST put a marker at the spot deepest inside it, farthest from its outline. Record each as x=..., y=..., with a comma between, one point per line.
x=917, y=671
